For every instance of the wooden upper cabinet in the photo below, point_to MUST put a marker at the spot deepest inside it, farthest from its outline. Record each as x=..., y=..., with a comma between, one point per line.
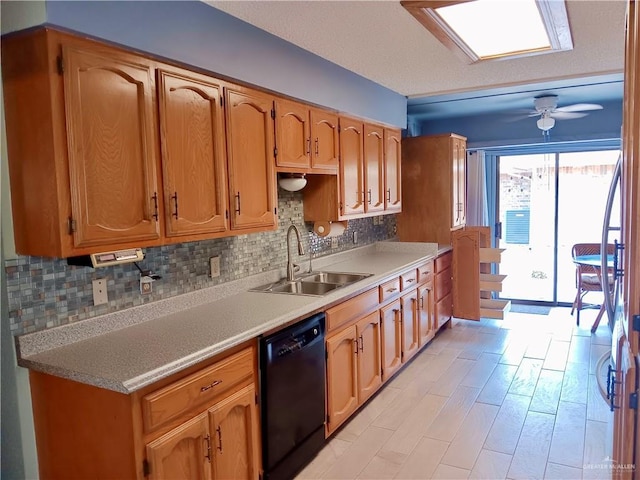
x=352, y=192
x=250, y=157
x=193, y=154
x=293, y=135
x=184, y=452
x=392, y=172
x=374, y=167
x=325, y=141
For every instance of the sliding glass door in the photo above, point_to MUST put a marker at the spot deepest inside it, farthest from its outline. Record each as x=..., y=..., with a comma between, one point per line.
x=546, y=204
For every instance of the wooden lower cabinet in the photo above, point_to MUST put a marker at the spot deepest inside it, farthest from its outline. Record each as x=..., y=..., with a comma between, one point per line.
x=426, y=325
x=369, y=374
x=391, y=336
x=410, y=327
x=342, y=377
x=443, y=288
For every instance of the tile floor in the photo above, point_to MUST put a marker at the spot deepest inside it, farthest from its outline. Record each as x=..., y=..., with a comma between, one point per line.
x=513, y=398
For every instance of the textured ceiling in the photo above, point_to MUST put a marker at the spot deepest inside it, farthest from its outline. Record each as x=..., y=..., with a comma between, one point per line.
x=381, y=41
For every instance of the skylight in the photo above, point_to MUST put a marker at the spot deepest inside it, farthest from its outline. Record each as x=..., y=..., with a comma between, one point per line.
x=491, y=29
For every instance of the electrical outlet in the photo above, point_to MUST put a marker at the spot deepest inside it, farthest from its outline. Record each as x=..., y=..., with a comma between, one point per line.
x=334, y=242
x=100, y=291
x=214, y=267
x=146, y=285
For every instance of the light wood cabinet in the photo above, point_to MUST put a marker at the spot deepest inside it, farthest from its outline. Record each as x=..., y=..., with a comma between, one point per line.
x=391, y=338
x=201, y=423
x=374, y=168
x=410, y=326
x=342, y=377
x=443, y=289
x=193, y=153
x=426, y=307
x=352, y=172
x=250, y=157
x=81, y=143
x=369, y=373
x=392, y=171
x=433, y=188
x=307, y=139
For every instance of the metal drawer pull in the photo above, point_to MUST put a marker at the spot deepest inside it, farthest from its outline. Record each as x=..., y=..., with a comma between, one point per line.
x=219, y=430
x=174, y=197
x=208, y=440
x=355, y=342
x=308, y=146
x=388, y=195
x=361, y=344
x=369, y=193
x=211, y=385
x=391, y=289
x=411, y=280
x=237, y=197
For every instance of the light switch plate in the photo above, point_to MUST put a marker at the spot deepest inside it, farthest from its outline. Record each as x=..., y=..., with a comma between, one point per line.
x=214, y=267
x=100, y=291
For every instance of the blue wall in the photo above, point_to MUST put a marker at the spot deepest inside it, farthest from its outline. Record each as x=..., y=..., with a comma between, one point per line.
x=199, y=35
x=497, y=130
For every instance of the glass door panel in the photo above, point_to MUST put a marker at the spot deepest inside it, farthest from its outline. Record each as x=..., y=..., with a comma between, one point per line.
x=527, y=205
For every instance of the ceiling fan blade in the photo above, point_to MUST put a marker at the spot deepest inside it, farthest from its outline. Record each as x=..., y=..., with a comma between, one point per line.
x=515, y=118
x=579, y=107
x=567, y=115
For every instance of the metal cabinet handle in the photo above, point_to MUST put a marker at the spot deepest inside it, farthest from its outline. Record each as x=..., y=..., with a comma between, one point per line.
x=237, y=197
x=219, y=430
x=174, y=197
x=308, y=145
x=411, y=280
x=369, y=193
x=211, y=385
x=361, y=343
x=208, y=447
x=317, y=147
x=422, y=303
x=155, y=206
x=355, y=342
x=390, y=290
x=388, y=195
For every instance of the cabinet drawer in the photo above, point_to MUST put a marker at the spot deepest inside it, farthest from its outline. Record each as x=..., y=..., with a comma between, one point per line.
x=444, y=261
x=196, y=389
x=409, y=279
x=443, y=283
x=347, y=311
x=425, y=272
x=389, y=289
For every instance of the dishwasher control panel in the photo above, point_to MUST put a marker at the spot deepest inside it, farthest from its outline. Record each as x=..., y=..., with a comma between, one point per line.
x=298, y=342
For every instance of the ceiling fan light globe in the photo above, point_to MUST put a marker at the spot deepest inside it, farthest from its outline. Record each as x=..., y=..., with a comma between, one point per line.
x=546, y=123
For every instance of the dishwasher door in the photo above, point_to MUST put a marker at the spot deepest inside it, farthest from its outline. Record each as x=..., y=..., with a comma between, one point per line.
x=292, y=385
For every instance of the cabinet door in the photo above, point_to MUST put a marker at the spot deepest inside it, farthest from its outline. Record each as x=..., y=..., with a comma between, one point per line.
x=351, y=167
x=342, y=377
x=459, y=187
x=184, y=452
x=111, y=146
x=234, y=436
x=443, y=311
x=250, y=155
x=374, y=168
x=325, y=147
x=193, y=161
x=425, y=313
x=369, y=376
x=392, y=173
x=293, y=137
x=391, y=339
x=410, y=329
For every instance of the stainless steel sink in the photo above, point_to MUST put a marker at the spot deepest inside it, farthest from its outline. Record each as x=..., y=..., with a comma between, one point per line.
x=315, y=283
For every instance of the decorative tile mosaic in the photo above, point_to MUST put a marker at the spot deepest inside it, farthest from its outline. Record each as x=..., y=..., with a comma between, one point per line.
x=44, y=293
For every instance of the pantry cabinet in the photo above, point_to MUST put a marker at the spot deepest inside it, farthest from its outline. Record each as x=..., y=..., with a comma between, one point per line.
x=81, y=141
x=193, y=153
x=250, y=157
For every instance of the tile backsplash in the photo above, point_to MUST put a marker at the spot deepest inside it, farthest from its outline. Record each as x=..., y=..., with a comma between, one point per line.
x=44, y=292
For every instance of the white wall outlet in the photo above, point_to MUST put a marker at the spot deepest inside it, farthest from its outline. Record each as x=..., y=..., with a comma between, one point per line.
x=214, y=267
x=100, y=291
x=334, y=242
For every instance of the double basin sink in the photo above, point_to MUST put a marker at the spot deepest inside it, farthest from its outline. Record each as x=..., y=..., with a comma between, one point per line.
x=314, y=283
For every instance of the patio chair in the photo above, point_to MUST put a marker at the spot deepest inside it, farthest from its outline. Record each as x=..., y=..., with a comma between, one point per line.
x=587, y=276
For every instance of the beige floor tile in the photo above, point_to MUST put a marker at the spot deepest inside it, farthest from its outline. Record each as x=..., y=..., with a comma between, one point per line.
x=447, y=472
x=424, y=460
x=597, y=352
x=567, y=444
x=452, y=414
x=382, y=466
x=433, y=366
x=538, y=346
x=525, y=379
x=562, y=472
x=498, y=342
x=505, y=432
x=579, y=350
x=556, y=358
x=491, y=466
x=481, y=371
x=530, y=458
x=597, y=453
x=452, y=377
x=547, y=393
x=575, y=383
x=325, y=459
x=516, y=349
x=597, y=407
x=471, y=353
x=467, y=444
x=409, y=433
x=498, y=384
x=359, y=454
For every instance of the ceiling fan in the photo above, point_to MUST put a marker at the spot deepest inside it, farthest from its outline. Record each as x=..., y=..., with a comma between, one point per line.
x=546, y=107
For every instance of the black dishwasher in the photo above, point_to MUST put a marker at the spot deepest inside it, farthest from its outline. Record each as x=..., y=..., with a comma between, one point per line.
x=292, y=397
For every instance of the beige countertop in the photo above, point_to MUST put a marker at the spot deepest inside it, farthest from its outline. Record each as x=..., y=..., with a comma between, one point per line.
x=133, y=348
